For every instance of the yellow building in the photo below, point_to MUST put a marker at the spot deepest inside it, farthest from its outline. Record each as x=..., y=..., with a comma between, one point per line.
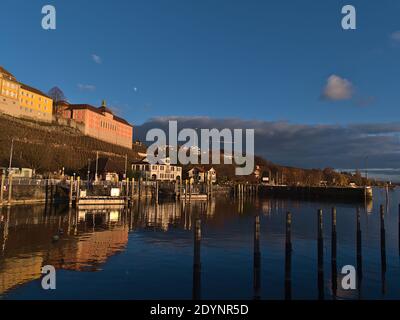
x=22, y=101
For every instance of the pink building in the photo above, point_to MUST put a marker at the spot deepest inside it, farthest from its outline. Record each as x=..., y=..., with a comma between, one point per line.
x=99, y=123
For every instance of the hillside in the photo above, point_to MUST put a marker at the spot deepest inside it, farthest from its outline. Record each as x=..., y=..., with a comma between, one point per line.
x=49, y=147
x=288, y=175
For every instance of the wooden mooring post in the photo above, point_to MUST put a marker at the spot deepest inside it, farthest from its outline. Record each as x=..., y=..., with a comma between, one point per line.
x=132, y=190
x=398, y=230
x=288, y=257
x=383, y=248
x=334, y=254
x=197, y=260
x=52, y=192
x=190, y=190
x=78, y=189
x=320, y=257
x=71, y=190
x=257, y=259
x=156, y=191
x=3, y=179
x=10, y=185
x=127, y=191
x=140, y=187
x=359, y=248
x=186, y=190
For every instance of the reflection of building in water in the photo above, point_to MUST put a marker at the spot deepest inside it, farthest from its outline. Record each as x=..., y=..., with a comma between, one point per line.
x=106, y=216
x=28, y=245
x=162, y=216
x=266, y=207
x=19, y=270
x=211, y=208
x=90, y=250
x=369, y=206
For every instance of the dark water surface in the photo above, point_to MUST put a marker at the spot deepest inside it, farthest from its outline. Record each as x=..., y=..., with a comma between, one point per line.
x=147, y=252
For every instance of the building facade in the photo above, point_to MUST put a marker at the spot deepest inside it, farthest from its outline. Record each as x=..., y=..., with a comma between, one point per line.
x=22, y=101
x=162, y=171
x=99, y=123
x=201, y=174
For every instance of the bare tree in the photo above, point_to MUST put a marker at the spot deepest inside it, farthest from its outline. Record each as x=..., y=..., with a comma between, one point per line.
x=56, y=94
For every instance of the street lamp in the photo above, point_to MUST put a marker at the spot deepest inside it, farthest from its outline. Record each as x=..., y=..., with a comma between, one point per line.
x=11, y=156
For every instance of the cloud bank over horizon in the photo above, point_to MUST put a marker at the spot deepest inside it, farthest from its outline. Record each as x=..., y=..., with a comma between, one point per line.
x=304, y=145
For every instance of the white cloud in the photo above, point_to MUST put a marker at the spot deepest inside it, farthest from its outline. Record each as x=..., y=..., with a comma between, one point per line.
x=97, y=59
x=86, y=87
x=337, y=88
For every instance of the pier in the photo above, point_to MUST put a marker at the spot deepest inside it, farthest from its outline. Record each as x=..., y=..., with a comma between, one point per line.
x=80, y=192
x=318, y=193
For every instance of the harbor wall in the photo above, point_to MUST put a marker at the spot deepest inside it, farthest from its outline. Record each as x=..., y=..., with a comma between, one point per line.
x=315, y=193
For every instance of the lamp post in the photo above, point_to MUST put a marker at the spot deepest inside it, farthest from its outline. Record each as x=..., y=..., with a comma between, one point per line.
x=126, y=165
x=97, y=165
x=88, y=173
x=11, y=156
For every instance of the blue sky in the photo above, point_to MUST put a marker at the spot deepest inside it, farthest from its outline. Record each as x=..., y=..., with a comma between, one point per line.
x=316, y=94
x=264, y=60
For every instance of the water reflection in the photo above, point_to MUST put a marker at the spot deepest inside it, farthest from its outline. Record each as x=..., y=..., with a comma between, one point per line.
x=272, y=248
x=88, y=239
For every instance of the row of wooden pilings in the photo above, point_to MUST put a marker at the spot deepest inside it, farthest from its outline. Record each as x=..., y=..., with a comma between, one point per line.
x=288, y=255
x=320, y=253
x=241, y=190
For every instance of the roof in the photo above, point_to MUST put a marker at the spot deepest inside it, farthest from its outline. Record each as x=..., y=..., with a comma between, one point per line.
x=96, y=110
x=26, y=87
x=108, y=165
x=2, y=70
x=203, y=168
x=197, y=169
x=23, y=86
x=142, y=161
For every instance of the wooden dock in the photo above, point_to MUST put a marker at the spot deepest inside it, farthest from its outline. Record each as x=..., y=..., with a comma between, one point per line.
x=101, y=201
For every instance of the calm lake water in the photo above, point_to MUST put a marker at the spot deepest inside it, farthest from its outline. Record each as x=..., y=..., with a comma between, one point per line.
x=147, y=252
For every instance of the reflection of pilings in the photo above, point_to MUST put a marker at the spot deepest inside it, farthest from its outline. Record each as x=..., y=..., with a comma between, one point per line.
x=383, y=248
x=320, y=257
x=131, y=213
x=359, y=250
x=334, y=254
x=288, y=257
x=76, y=222
x=197, y=261
x=5, y=230
x=257, y=259
x=69, y=220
